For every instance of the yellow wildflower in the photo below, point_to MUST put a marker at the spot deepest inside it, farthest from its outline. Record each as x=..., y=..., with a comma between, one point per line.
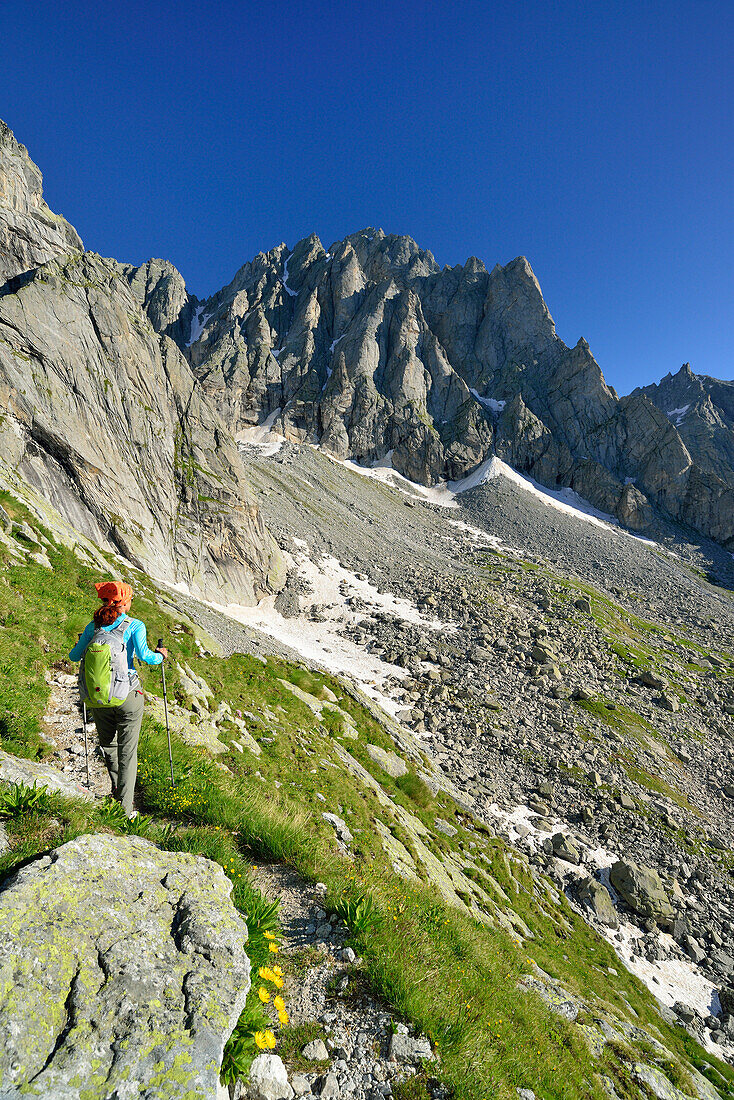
x=266, y=973
x=279, y=1004
x=277, y=982
x=268, y=935
x=278, y=971
x=261, y=1040
x=283, y=1017
x=270, y=1040
x=274, y=948
x=263, y=994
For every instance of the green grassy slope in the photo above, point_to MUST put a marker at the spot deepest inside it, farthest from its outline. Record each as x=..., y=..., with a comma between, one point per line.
x=447, y=949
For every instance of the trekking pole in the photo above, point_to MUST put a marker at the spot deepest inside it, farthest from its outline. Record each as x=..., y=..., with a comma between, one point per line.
x=86, y=743
x=165, y=710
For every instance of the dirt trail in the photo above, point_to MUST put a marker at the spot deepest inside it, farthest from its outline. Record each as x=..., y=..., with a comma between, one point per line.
x=63, y=728
x=324, y=987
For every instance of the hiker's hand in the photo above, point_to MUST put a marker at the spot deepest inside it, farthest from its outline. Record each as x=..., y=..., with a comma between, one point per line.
x=162, y=649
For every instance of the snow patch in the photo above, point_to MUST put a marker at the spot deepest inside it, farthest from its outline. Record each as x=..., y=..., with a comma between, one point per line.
x=669, y=980
x=334, y=343
x=286, y=288
x=445, y=493
x=678, y=414
x=563, y=500
x=323, y=641
x=197, y=325
x=489, y=402
x=382, y=470
x=262, y=436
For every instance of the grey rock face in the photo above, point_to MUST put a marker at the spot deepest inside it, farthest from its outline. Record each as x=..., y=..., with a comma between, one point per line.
x=123, y=971
x=369, y=349
x=372, y=351
x=101, y=412
x=702, y=411
x=30, y=233
x=160, y=291
x=107, y=421
x=642, y=889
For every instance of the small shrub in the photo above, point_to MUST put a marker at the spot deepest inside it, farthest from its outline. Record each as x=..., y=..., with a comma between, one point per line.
x=19, y=799
x=412, y=1088
x=292, y=1041
x=357, y=913
x=412, y=785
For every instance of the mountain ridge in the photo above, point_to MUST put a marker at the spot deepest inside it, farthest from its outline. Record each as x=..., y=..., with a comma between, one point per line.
x=371, y=348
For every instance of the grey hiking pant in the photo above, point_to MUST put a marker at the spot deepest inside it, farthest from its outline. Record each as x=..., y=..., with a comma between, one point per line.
x=119, y=731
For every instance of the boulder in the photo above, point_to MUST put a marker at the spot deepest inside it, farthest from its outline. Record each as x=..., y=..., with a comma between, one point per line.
x=404, y=1048
x=15, y=769
x=543, y=653
x=315, y=1051
x=564, y=847
x=651, y=679
x=327, y=1087
x=595, y=897
x=122, y=970
x=390, y=762
x=268, y=1079
x=642, y=889
x=340, y=828
x=668, y=701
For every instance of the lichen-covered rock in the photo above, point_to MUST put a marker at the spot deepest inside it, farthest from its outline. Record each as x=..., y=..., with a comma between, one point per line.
x=16, y=769
x=657, y=1083
x=390, y=762
x=122, y=973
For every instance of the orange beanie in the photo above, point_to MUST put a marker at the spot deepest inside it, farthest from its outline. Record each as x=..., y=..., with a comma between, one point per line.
x=113, y=591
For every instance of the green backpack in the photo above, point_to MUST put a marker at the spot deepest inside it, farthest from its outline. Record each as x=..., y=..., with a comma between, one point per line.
x=104, y=679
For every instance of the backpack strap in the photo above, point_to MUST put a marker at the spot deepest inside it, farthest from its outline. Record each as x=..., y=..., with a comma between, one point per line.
x=121, y=627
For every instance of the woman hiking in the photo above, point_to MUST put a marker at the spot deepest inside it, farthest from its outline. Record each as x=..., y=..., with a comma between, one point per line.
x=109, y=684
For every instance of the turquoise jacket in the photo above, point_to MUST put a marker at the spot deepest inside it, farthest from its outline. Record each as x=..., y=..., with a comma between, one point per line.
x=135, y=637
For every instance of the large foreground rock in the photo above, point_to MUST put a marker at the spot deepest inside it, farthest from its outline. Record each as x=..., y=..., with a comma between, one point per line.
x=122, y=973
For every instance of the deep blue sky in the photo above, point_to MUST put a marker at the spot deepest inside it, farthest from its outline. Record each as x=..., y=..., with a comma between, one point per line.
x=593, y=137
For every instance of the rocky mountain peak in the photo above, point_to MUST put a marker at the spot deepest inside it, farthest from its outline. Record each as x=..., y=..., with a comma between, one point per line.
x=371, y=350
x=30, y=233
